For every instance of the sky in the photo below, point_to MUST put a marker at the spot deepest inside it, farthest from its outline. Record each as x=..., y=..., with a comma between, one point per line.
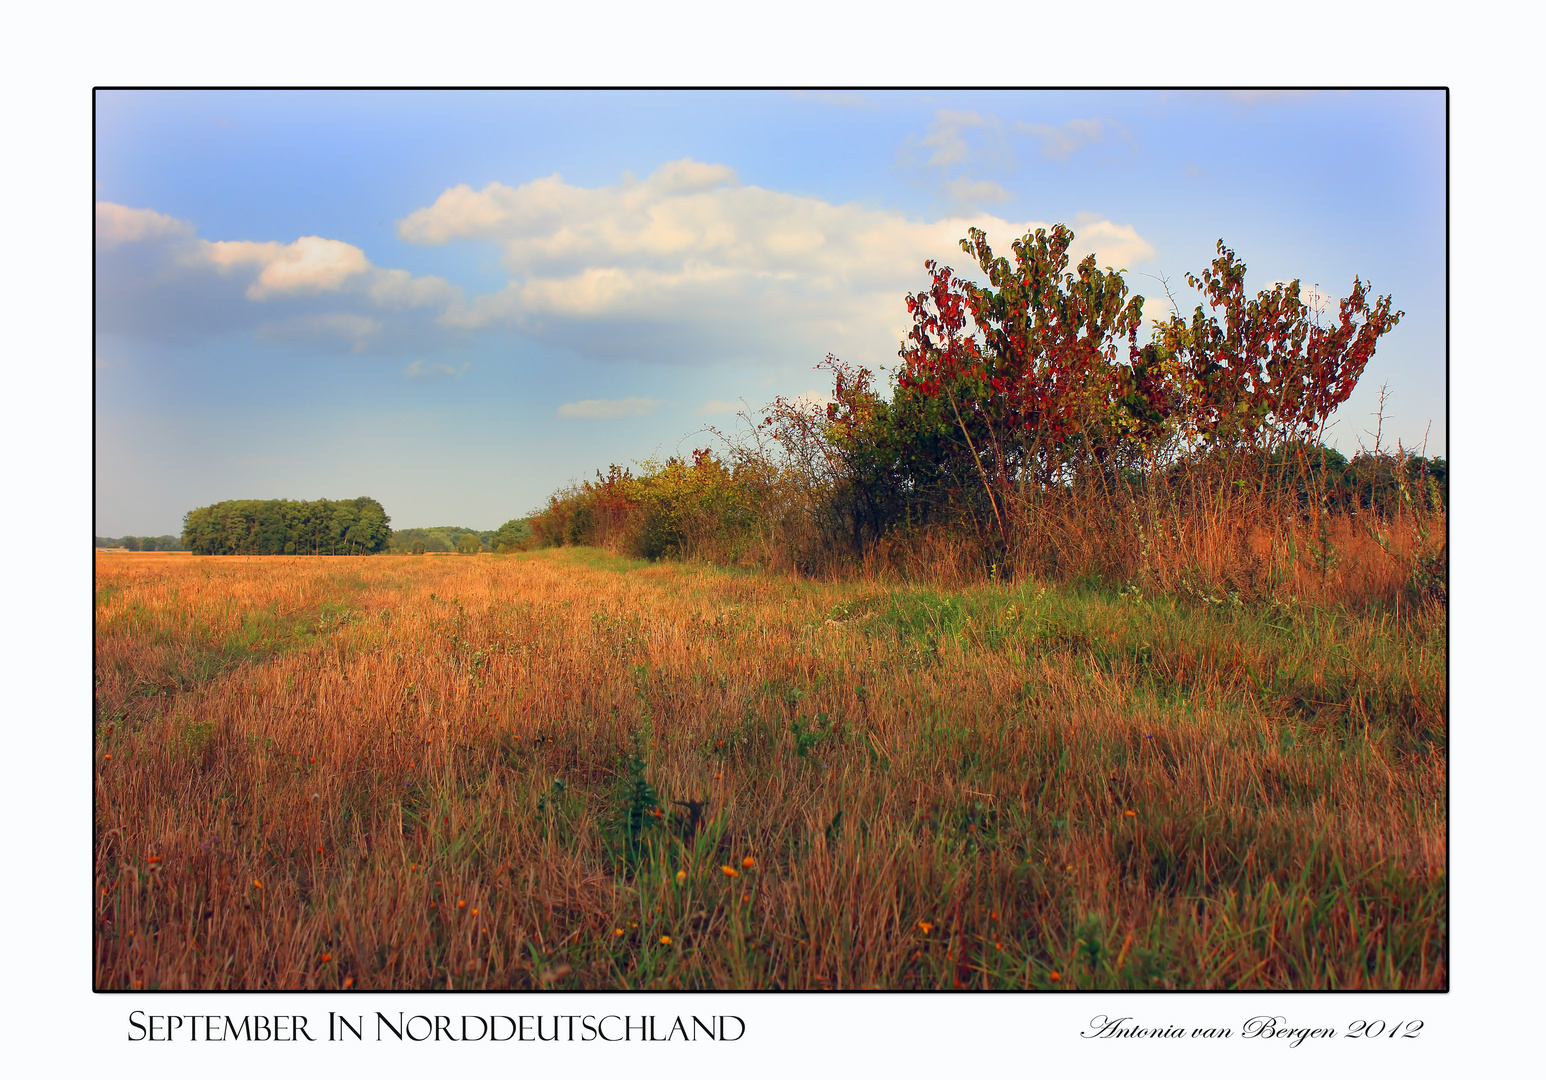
x=458, y=302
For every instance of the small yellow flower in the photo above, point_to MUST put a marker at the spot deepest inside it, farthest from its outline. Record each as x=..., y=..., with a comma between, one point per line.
x=618, y=931
x=730, y=871
x=925, y=926
x=681, y=876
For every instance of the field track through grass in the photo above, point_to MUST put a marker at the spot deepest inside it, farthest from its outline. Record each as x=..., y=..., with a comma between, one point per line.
x=564, y=769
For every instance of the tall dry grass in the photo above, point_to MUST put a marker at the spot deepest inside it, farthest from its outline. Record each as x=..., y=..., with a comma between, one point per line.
x=400, y=772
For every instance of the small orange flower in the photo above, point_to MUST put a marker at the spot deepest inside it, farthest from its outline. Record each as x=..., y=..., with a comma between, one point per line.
x=730, y=871
x=748, y=862
x=717, y=776
x=618, y=932
x=154, y=859
x=257, y=884
x=474, y=911
x=107, y=757
x=1131, y=813
x=665, y=939
x=349, y=982
x=925, y=926
x=319, y=851
x=327, y=958
x=681, y=876
x=1055, y=977
x=461, y=903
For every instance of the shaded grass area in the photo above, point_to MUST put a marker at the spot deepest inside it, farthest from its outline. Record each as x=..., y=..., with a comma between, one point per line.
x=568, y=770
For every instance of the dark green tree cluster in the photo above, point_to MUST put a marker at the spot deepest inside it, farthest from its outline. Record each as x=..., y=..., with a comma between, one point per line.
x=514, y=535
x=435, y=538
x=141, y=543
x=285, y=527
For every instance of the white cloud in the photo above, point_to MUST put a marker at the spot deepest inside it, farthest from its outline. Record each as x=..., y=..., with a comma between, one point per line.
x=813, y=398
x=309, y=265
x=156, y=277
x=957, y=143
x=713, y=407
x=399, y=289
x=690, y=264
x=686, y=266
x=592, y=409
x=1062, y=141
x=1106, y=238
x=946, y=136
x=122, y=225
x=424, y=371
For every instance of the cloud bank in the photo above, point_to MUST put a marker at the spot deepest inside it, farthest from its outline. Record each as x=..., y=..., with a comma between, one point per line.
x=687, y=266
x=690, y=263
x=157, y=279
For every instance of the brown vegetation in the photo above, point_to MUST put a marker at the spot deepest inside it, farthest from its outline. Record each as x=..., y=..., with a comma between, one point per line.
x=551, y=769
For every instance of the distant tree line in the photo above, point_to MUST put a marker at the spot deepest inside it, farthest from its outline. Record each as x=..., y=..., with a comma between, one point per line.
x=510, y=536
x=142, y=543
x=285, y=527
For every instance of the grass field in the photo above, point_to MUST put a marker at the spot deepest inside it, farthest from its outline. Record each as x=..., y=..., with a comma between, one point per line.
x=563, y=769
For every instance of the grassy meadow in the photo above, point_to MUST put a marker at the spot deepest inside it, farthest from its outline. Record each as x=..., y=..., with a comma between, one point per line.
x=565, y=769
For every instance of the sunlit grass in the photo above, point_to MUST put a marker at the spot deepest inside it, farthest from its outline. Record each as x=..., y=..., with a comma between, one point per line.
x=567, y=769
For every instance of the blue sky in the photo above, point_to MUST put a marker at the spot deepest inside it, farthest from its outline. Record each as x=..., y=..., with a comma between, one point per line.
x=457, y=302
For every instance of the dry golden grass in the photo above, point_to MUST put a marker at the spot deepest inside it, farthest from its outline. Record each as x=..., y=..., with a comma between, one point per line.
x=413, y=772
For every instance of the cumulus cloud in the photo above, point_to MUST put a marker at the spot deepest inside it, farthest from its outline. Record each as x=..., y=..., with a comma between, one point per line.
x=687, y=266
x=124, y=225
x=690, y=264
x=591, y=409
x=157, y=278
x=309, y=265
